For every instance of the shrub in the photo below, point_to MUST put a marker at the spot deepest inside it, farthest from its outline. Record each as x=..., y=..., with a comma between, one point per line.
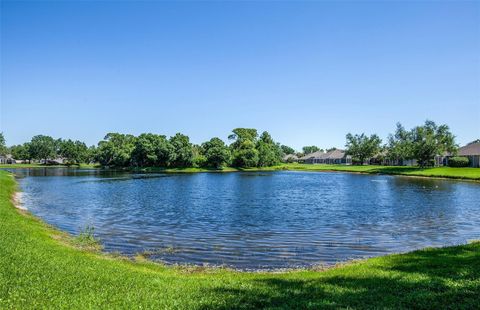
x=458, y=161
x=199, y=161
x=87, y=240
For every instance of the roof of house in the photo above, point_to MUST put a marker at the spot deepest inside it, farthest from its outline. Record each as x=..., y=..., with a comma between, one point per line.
x=288, y=156
x=470, y=149
x=316, y=155
x=334, y=154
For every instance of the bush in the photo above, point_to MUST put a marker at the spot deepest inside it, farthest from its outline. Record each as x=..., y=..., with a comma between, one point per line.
x=199, y=161
x=87, y=240
x=459, y=161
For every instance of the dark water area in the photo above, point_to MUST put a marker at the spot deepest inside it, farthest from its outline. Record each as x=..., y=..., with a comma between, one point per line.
x=255, y=220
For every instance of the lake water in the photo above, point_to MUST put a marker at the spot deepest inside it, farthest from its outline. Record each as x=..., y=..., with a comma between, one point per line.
x=255, y=220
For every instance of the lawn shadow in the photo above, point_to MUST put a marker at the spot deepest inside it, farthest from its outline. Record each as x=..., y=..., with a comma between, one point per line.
x=446, y=278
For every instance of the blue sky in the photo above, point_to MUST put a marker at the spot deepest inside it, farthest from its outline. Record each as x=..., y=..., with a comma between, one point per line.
x=306, y=72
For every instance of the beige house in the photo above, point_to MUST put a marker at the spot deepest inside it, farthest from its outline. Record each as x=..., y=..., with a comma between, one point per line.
x=472, y=151
x=334, y=157
x=7, y=159
x=290, y=158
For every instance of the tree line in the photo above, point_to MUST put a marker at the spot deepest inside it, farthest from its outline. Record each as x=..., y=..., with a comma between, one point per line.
x=247, y=149
x=421, y=143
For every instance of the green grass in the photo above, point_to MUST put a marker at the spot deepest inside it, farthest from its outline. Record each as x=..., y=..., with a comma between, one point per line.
x=40, y=268
x=439, y=172
x=86, y=240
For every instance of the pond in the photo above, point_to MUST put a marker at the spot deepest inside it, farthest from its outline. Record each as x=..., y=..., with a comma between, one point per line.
x=255, y=220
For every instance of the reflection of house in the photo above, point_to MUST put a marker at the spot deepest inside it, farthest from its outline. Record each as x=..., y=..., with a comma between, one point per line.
x=332, y=157
x=472, y=151
x=290, y=158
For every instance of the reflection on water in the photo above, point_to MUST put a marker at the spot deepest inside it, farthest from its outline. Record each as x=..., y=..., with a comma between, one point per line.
x=255, y=220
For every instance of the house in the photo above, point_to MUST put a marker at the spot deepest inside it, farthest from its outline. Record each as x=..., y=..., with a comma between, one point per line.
x=333, y=157
x=441, y=160
x=338, y=157
x=290, y=158
x=7, y=159
x=472, y=151
x=312, y=158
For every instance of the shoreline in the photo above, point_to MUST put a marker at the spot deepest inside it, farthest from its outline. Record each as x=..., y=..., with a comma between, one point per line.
x=405, y=171
x=41, y=269
x=139, y=257
x=18, y=200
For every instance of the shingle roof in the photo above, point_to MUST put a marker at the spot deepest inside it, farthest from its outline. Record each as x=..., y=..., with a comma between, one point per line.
x=336, y=154
x=470, y=149
x=288, y=156
x=316, y=155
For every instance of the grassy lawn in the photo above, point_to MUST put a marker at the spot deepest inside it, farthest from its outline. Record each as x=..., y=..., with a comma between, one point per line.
x=39, y=268
x=439, y=172
x=443, y=172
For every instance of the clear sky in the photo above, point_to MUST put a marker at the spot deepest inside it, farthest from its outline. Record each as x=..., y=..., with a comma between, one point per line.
x=306, y=72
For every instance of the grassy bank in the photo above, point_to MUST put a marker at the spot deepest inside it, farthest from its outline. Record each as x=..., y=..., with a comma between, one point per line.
x=439, y=172
x=39, y=268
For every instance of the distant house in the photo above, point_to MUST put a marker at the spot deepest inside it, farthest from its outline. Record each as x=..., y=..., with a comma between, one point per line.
x=333, y=157
x=7, y=159
x=290, y=158
x=382, y=158
x=441, y=160
x=313, y=158
x=472, y=151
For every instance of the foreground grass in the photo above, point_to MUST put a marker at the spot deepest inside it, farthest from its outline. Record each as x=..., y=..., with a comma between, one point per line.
x=40, y=269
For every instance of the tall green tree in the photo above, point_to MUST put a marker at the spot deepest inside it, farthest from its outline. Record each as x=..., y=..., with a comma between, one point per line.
x=74, y=152
x=183, y=150
x=362, y=147
x=115, y=150
x=199, y=159
x=91, y=154
x=3, y=145
x=310, y=149
x=20, y=152
x=269, y=153
x=216, y=152
x=244, y=151
x=287, y=150
x=430, y=140
x=399, y=145
x=152, y=150
x=42, y=148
